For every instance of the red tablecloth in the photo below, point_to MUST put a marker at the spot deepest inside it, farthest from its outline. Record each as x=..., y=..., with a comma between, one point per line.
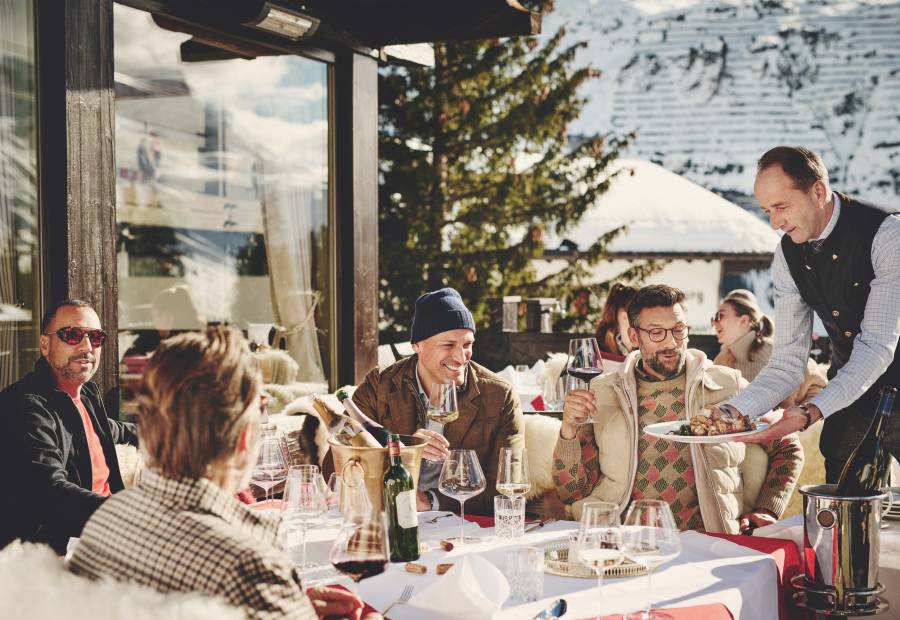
x=787, y=557
x=698, y=612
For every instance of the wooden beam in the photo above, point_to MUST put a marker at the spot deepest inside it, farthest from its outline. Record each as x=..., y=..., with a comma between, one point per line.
x=355, y=96
x=77, y=160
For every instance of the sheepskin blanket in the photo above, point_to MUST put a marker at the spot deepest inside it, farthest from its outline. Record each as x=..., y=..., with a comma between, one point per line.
x=35, y=585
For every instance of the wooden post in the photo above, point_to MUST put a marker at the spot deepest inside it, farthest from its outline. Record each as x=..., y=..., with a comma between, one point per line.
x=77, y=161
x=356, y=186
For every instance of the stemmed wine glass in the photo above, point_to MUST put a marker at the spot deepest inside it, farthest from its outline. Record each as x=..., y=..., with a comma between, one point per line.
x=462, y=478
x=361, y=547
x=304, y=503
x=270, y=468
x=650, y=538
x=584, y=361
x=442, y=407
x=599, y=543
x=512, y=472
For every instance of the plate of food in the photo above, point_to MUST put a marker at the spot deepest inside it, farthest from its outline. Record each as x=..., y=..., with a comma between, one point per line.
x=703, y=429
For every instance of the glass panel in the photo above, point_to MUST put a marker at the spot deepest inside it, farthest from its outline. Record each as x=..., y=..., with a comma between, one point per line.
x=222, y=200
x=19, y=237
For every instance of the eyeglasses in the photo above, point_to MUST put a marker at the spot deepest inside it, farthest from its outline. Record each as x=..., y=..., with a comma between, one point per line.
x=718, y=316
x=658, y=334
x=74, y=335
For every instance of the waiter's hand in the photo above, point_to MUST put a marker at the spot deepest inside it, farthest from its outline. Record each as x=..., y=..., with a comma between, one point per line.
x=758, y=518
x=792, y=421
x=437, y=448
x=578, y=406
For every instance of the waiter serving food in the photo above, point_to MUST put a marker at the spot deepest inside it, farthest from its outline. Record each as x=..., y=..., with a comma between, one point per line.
x=840, y=258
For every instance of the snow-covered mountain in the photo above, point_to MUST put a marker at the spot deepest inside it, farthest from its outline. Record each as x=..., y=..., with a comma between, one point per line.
x=711, y=85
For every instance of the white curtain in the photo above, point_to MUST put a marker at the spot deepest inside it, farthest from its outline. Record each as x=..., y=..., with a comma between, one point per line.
x=289, y=228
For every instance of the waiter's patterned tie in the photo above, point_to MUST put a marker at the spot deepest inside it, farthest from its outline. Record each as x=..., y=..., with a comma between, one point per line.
x=816, y=245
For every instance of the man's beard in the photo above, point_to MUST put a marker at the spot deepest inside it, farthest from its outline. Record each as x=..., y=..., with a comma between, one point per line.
x=660, y=368
x=81, y=376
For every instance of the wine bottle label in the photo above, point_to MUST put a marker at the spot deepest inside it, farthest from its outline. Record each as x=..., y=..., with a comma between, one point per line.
x=406, y=509
x=394, y=449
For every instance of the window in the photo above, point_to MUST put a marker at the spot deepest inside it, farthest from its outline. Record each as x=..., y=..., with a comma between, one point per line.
x=20, y=284
x=222, y=200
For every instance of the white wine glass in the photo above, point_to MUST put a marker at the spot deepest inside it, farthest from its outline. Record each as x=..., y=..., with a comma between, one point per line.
x=304, y=504
x=442, y=406
x=650, y=538
x=600, y=544
x=512, y=471
x=553, y=393
x=462, y=478
x=361, y=547
x=271, y=467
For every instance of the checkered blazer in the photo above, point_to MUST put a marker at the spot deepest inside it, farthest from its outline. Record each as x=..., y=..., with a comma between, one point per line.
x=188, y=535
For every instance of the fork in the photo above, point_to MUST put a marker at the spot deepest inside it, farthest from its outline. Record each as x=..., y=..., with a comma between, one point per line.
x=401, y=600
x=433, y=520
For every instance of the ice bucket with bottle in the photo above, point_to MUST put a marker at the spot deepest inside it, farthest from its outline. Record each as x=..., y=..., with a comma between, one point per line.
x=369, y=464
x=841, y=544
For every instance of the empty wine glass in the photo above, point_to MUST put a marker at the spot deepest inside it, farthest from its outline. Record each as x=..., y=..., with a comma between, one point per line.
x=270, y=468
x=361, y=547
x=512, y=471
x=462, y=478
x=599, y=543
x=303, y=505
x=553, y=393
x=650, y=538
x=333, y=496
x=442, y=407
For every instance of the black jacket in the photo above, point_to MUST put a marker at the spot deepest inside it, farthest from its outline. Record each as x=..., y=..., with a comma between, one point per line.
x=45, y=457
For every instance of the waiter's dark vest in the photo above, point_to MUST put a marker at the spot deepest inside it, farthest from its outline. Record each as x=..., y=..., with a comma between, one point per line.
x=835, y=283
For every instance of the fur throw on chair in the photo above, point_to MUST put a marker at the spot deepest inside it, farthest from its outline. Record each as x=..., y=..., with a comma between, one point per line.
x=35, y=585
x=540, y=439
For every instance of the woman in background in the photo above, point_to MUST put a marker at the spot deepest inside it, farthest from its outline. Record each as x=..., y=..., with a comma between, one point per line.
x=612, y=330
x=745, y=334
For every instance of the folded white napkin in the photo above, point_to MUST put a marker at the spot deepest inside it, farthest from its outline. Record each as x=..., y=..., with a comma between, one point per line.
x=790, y=528
x=509, y=375
x=473, y=588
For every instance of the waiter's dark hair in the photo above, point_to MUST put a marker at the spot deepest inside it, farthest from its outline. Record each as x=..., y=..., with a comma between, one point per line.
x=804, y=166
x=653, y=296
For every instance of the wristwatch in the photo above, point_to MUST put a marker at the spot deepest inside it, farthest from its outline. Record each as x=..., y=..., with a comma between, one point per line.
x=805, y=408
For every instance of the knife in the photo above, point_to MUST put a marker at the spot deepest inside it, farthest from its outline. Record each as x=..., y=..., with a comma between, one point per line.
x=557, y=609
x=533, y=526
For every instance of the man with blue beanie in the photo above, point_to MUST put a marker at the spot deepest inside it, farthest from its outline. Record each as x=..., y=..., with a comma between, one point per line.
x=490, y=415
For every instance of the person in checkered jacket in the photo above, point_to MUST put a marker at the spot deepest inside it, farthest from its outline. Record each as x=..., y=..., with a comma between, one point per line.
x=181, y=529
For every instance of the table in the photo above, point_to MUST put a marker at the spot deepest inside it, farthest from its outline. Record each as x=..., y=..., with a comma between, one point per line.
x=709, y=572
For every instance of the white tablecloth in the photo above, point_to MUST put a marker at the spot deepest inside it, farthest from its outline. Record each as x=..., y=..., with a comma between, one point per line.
x=709, y=570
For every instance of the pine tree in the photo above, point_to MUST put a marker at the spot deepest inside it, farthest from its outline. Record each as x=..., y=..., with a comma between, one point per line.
x=476, y=166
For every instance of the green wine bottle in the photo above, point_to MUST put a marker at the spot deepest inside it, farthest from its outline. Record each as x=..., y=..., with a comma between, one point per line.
x=400, y=506
x=866, y=471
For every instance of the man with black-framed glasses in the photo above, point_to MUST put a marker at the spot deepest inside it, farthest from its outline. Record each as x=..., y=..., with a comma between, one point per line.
x=59, y=445
x=603, y=453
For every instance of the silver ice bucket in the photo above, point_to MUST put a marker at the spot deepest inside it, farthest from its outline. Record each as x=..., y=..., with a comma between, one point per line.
x=841, y=543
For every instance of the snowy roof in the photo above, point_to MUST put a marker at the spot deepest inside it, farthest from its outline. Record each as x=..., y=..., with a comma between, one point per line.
x=666, y=213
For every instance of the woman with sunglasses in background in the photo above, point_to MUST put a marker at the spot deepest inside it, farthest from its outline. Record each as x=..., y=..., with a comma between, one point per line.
x=612, y=329
x=745, y=334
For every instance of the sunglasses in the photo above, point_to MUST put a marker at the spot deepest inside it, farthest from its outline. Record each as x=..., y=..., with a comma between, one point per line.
x=74, y=335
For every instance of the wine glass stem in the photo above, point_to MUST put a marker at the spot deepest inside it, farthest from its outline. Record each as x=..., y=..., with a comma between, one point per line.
x=649, y=607
x=303, y=551
x=462, y=521
x=600, y=593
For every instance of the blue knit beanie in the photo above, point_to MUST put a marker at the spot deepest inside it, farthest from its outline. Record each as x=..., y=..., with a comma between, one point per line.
x=439, y=311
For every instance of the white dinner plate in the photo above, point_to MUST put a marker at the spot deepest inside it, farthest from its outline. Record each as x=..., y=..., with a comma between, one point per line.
x=666, y=430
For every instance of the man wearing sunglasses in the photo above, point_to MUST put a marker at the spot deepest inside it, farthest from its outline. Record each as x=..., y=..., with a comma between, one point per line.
x=60, y=444
x=602, y=452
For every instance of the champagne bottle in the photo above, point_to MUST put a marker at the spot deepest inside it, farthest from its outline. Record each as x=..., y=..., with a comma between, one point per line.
x=377, y=431
x=342, y=428
x=865, y=472
x=400, y=506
